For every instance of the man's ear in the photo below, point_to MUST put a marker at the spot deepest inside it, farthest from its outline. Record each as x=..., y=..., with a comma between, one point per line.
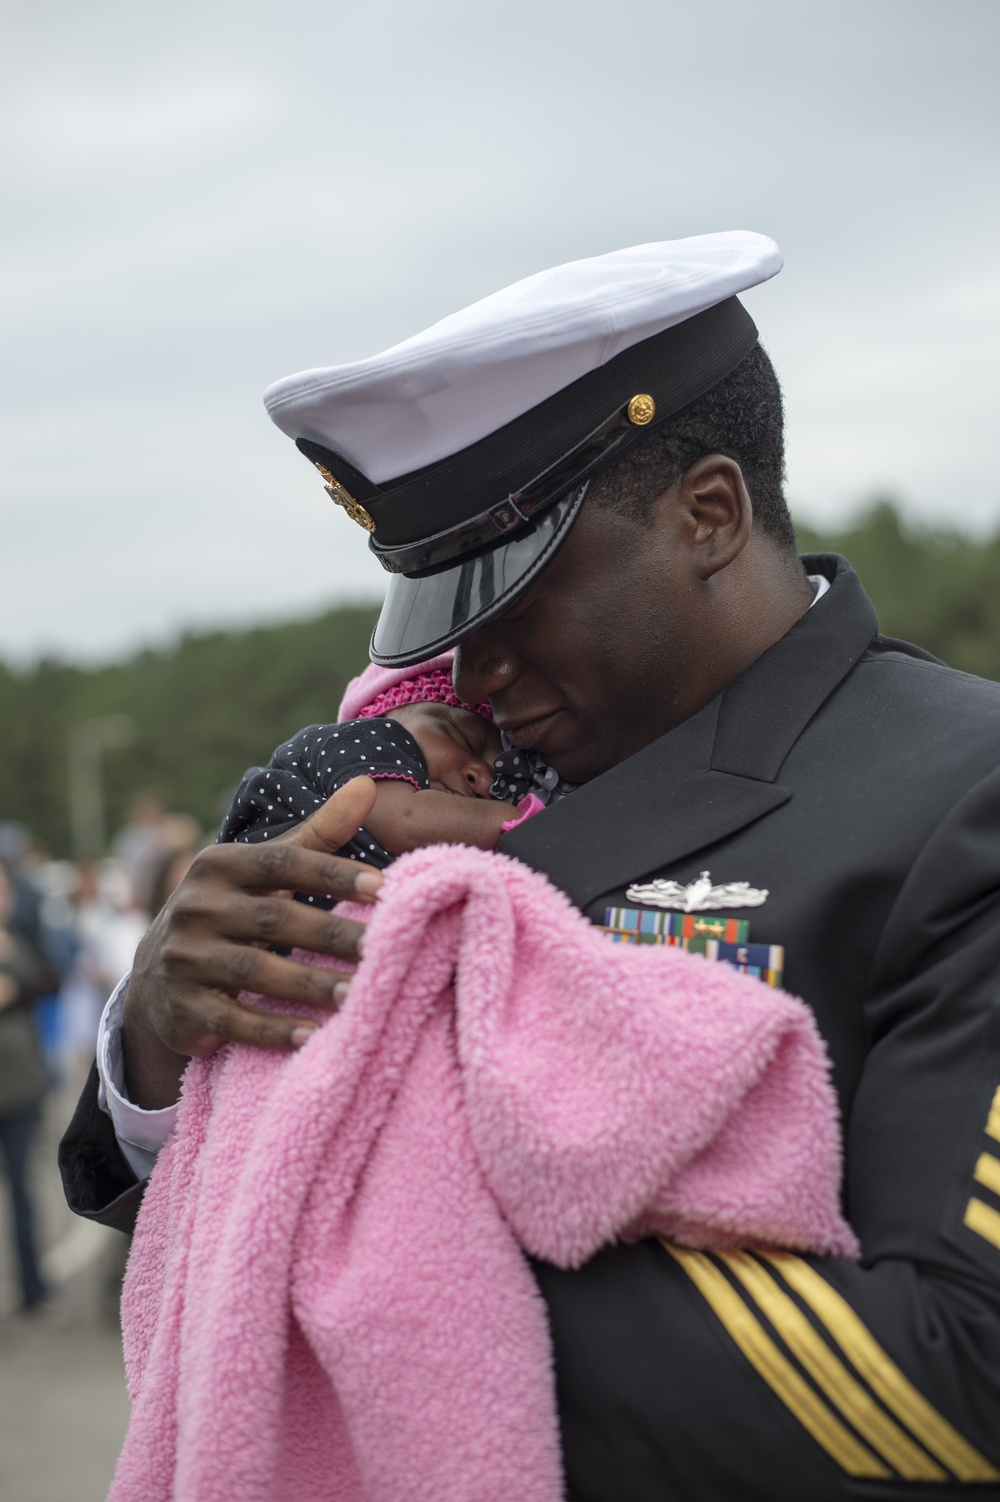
x=717, y=512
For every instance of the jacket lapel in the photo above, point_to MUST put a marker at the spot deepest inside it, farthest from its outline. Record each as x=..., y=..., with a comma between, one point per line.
x=764, y=712
x=715, y=773
x=651, y=810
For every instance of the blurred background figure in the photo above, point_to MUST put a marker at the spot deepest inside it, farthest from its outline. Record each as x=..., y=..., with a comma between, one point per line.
x=107, y=924
x=109, y=919
x=26, y=868
x=44, y=924
x=148, y=844
x=24, y=977
x=84, y=918
x=173, y=868
x=142, y=843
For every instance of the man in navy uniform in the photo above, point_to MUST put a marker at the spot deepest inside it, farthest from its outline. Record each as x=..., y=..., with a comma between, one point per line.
x=578, y=482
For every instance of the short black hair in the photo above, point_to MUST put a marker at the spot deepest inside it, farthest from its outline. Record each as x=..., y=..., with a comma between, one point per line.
x=741, y=417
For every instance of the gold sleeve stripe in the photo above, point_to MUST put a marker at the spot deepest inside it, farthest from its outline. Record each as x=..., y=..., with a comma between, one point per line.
x=993, y=1120
x=775, y=1368
x=881, y=1372
x=987, y=1171
x=984, y=1220
x=831, y=1375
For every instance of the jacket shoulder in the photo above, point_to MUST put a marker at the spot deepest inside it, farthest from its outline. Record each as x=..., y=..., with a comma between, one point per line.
x=918, y=718
x=907, y=673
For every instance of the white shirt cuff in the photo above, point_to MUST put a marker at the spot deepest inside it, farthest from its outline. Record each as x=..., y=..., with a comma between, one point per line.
x=140, y=1133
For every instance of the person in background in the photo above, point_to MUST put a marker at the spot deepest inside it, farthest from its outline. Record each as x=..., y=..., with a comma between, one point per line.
x=140, y=844
x=42, y=918
x=25, y=864
x=168, y=876
x=148, y=840
x=106, y=927
x=23, y=978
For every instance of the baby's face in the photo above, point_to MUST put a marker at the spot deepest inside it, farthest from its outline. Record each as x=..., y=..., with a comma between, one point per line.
x=458, y=746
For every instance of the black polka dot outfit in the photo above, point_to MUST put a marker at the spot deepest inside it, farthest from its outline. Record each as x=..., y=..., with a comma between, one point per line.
x=306, y=770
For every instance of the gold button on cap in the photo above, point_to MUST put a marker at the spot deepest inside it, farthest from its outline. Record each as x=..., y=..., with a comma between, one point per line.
x=641, y=410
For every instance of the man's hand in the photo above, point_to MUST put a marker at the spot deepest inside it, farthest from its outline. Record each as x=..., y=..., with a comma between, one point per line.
x=208, y=944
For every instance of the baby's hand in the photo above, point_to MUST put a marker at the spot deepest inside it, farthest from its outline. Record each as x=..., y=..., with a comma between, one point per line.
x=404, y=819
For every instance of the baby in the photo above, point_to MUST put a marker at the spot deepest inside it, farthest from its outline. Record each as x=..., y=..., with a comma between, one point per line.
x=432, y=761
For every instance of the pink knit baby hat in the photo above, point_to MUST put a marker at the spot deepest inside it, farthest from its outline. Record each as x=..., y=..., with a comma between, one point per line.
x=378, y=690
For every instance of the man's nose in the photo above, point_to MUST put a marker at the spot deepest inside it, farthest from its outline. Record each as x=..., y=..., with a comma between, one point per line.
x=483, y=666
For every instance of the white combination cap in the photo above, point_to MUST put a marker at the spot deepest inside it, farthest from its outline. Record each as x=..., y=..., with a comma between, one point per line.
x=466, y=451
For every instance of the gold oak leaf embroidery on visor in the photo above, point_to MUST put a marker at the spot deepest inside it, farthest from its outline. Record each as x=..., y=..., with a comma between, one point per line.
x=843, y=1389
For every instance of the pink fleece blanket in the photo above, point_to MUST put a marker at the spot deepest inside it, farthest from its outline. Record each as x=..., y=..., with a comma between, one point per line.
x=327, y=1296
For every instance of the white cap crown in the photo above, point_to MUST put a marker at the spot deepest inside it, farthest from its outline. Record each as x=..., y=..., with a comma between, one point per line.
x=476, y=370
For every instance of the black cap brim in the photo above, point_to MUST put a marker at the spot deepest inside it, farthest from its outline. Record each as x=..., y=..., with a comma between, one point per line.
x=422, y=617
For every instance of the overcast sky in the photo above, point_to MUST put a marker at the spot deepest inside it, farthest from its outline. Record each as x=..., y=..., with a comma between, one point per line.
x=202, y=197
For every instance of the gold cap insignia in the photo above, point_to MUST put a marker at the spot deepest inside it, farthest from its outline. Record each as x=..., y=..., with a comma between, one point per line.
x=641, y=410
x=342, y=497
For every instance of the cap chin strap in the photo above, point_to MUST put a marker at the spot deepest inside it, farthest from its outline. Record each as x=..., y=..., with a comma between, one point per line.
x=518, y=513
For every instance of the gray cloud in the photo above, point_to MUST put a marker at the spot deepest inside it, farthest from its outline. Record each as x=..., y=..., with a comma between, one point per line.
x=200, y=199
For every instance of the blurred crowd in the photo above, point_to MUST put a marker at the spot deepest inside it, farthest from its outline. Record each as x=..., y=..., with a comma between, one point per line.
x=68, y=931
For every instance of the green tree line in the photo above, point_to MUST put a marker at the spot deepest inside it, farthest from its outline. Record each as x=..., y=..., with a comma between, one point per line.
x=212, y=704
x=204, y=708
x=930, y=585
